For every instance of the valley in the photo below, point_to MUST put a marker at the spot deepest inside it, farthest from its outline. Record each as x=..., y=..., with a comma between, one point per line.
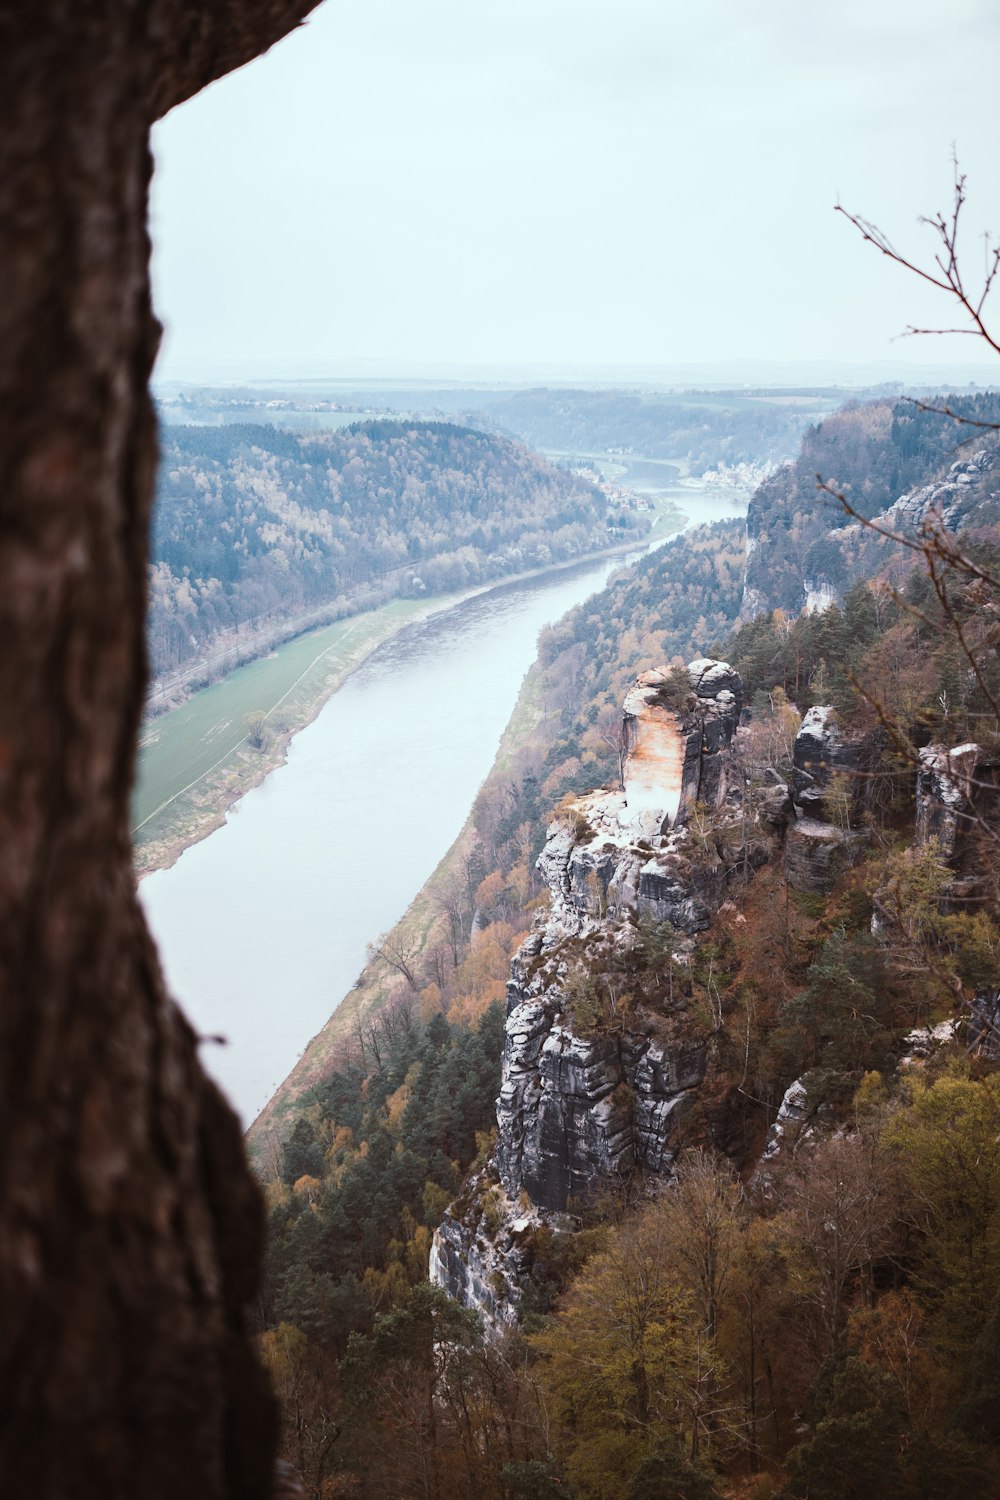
x=736, y=919
x=712, y=829
x=284, y=898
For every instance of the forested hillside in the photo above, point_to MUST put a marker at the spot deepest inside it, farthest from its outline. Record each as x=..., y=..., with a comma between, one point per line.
x=257, y=523
x=810, y=1308
x=873, y=454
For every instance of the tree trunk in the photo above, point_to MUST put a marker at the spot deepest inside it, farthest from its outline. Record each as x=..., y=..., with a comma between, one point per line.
x=130, y=1228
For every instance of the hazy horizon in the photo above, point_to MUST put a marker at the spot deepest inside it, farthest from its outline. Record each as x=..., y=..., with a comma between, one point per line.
x=774, y=374
x=555, y=188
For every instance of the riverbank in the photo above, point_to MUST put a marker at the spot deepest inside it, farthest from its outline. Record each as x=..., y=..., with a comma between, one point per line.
x=423, y=926
x=198, y=759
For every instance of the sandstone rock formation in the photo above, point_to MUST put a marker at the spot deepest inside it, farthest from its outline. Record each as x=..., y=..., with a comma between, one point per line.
x=833, y=768
x=677, y=746
x=584, y=1106
x=816, y=855
x=793, y=1113
x=577, y=1112
x=832, y=780
x=947, y=795
x=484, y=1249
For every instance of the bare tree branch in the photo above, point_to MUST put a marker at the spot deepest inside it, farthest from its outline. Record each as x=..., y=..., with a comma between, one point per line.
x=946, y=275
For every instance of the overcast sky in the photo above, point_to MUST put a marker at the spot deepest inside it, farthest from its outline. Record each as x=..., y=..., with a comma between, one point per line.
x=572, y=184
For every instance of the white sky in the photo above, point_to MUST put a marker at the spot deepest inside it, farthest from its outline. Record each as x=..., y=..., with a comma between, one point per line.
x=572, y=183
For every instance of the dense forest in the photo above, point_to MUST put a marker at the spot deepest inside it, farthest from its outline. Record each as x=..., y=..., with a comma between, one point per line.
x=254, y=524
x=818, y=1327
x=874, y=455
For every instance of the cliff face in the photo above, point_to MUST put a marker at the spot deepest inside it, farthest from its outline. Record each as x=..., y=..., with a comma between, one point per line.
x=834, y=779
x=676, y=753
x=956, y=791
x=601, y=1078
x=584, y=1101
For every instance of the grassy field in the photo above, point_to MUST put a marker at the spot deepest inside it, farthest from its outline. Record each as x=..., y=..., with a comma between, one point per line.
x=194, y=760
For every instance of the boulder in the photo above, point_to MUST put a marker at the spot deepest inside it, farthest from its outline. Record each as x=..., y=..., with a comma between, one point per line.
x=817, y=854
x=710, y=678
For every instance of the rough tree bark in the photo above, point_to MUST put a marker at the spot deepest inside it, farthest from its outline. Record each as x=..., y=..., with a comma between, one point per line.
x=130, y=1228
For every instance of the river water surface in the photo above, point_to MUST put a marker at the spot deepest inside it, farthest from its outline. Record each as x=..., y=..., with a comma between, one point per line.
x=263, y=926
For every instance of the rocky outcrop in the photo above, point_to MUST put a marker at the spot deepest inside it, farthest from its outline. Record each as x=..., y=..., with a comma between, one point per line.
x=948, y=795
x=832, y=777
x=829, y=555
x=833, y=768
x=620, y=852
x=576, y=1111
x=585, y=1100
x=677, y=738
x=817, y=854
x=923, y=1041
x=774, y=805
x=485, y=1248
x=599, y=862
x=793, y=1113
x=958, y=810
x=820, y=594
x=953, y=499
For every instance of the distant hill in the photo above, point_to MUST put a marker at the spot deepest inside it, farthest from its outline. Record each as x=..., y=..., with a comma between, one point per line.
x=255, y=523
x=705, y=428
x=702, y=427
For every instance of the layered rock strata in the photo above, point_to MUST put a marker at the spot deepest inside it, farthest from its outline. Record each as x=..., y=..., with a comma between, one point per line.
x=833, y=778
x=677, y=742
x=956, y=789
x=485, y=1249
x=835, y=770
x=576, y=1112
x=580, y=1106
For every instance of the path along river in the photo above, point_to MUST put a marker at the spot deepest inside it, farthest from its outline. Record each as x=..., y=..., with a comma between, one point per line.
x=263, y=926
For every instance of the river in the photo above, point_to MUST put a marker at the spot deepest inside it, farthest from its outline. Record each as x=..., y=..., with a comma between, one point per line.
x=263, y=926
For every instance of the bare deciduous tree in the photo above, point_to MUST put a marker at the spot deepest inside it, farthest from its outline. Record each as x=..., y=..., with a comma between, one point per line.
x=453, y=899
x=840, y=1199
x=613, y=731
x=397, y=953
